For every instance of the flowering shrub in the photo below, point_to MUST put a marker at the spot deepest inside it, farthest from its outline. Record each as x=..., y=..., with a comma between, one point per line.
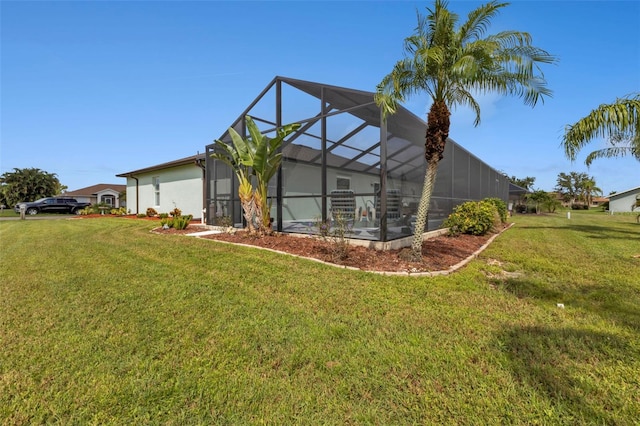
x=501, y=206
x=323, y=228
x=473, y=217
x=121, y=211
x=151, y=212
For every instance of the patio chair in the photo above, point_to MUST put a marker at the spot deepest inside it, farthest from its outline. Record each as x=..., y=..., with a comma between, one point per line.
x=343, y=203
x=394, y=205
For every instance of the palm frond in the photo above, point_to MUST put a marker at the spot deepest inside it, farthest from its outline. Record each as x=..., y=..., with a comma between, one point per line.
x=618, y=121
x=610, y=152
x=478, y=21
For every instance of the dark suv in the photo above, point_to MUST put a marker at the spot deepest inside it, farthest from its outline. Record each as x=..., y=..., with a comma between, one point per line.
x=52, y=205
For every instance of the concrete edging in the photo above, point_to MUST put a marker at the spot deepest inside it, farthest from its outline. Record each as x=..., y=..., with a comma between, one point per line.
x=427, y=235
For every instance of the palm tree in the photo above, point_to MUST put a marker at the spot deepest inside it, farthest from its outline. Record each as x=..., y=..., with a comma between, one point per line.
x=449, y=64
x=589, y=189
x=618, y=122
x=570, y=185
x=258, y=158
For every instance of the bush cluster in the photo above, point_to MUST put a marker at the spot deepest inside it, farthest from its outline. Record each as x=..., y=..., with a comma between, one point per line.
x=473, y=217
x=579, y=207
x=177, y=222
x=501, y=207
x=120, y=211
x=151, y=212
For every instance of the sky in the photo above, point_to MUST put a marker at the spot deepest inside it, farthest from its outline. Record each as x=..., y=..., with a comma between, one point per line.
x=91, y=89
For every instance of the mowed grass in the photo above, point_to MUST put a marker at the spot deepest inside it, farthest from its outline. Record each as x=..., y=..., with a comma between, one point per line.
x=103, y=322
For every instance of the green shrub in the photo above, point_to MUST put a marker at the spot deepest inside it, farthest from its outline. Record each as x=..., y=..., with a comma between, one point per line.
x=473, y=217
x=121, y=211
x=151, y=212
x=501, y=206
x=141, y=215
x=180, y=222
x=163, y=215
x=551, y=205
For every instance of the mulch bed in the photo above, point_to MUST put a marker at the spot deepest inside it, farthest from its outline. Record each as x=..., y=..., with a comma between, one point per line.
x=438, y=253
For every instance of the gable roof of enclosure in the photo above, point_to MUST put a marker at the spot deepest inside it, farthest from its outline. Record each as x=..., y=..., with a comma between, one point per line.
x=404, y=129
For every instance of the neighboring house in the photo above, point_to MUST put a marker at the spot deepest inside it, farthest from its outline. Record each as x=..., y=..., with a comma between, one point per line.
x=598, y=201
x=105, y=193
x=164, y=187
x=624, y=201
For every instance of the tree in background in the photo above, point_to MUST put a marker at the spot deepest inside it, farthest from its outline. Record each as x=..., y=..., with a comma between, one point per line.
x=544, y=199
x=574, y=186
x=618, y=122
x=589, y=189
x=569, y=185
x=451, y=64
x=28, y=185
x=526, y=183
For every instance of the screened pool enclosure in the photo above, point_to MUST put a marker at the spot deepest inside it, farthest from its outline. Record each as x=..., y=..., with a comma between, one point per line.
x=346, y=162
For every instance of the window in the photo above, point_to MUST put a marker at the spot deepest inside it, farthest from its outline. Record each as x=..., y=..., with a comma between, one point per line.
x=343, y=182
x=156, y=190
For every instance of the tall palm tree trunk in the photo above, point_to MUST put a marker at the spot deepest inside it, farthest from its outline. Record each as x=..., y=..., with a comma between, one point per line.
x=436, y=138
x=423, y=208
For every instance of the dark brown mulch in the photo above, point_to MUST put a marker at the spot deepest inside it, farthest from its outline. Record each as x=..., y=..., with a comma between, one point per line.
x=438, y=254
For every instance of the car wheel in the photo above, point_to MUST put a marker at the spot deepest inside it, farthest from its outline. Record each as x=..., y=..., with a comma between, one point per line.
x=32, y=211
x=77, y=210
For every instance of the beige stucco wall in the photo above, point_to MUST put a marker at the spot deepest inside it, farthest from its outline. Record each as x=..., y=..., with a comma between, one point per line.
x=180, y=187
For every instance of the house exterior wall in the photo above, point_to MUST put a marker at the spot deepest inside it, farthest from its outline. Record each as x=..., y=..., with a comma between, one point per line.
x=180, y=187
x=85, y=199
x=624, y=201
x=304, y=179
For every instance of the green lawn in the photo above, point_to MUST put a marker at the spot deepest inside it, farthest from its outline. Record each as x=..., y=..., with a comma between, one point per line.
x=102, y=322
x=7, y=212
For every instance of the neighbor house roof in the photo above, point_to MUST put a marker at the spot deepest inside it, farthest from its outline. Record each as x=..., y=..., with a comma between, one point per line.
x=624, y=193
x=194, y=159
x=95, y=189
